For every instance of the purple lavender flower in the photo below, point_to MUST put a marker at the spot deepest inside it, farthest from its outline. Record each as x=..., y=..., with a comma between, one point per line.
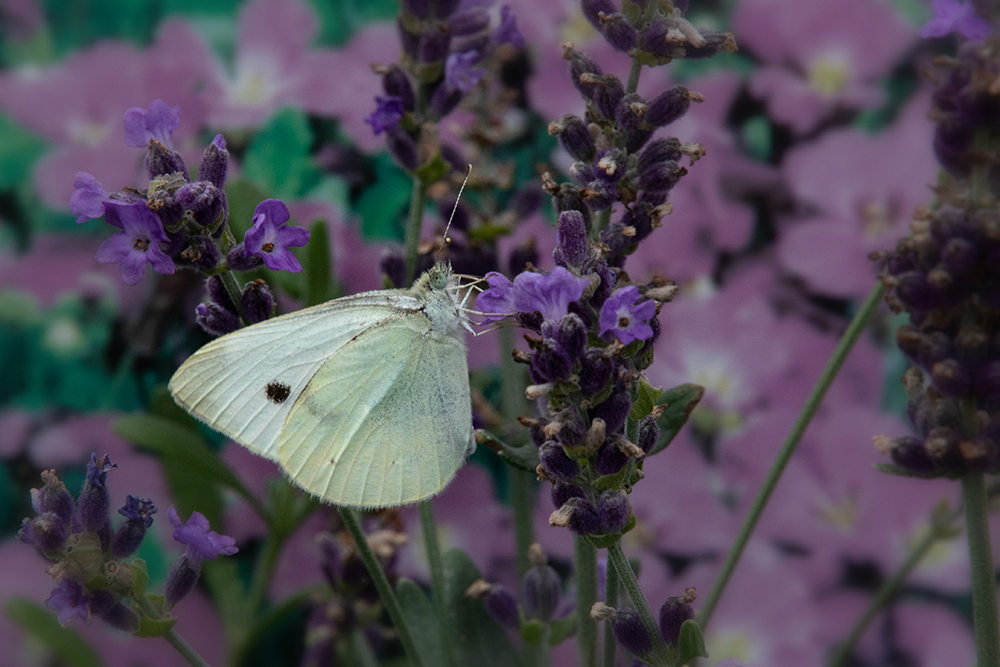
x=88, y=199
x=629, y=321
x=138, y=513
x=138, y=242
x=548, y=293
x=158, y=122
x=507, y=31
x=69, y=601
x=498, y=299
x=270, y=239
x=460, y=72
x=202, y=543
x=388, y=111
x=955, y=16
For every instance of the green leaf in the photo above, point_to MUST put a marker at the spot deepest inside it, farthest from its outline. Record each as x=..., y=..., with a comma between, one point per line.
x=531, y=630
x=154, y=627
x=433, y=170
x=690, y=644
x=177, y=443
x=478, y=639
x=278, y=156
x=645, y=399
x=18, y=151
x=141, y=577
x=71, y=648
x=680, y=402
x=318, y=271
x=382, y=207
x=421, y=621
x=900, y=471
x=524, y=457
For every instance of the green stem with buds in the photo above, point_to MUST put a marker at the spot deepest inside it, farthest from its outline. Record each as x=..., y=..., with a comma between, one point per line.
x=385, y=592
x=628, y=581
x=854, y=330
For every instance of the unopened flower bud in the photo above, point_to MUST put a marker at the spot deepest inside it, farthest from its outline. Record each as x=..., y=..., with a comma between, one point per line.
x=575, y=137
x=661, y=177
x=502, y=606
x=613, y=510
x=626, y=624
x=239, y=259
x=402, y=147
x=541, y=592
x=214, y=162
x=138, y=513
x=618, y=31
x=673, y=613
x=562, y=491
x=94, y=504
x=556, y=463
x=181, y=579
x=668, y=106
x=257, y=301
x=161, y=161
x=215, y=319
x=631, y=112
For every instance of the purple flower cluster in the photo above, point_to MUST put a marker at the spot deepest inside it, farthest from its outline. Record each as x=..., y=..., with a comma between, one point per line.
x=86, y=554
x=446, y=48
x=177, y=221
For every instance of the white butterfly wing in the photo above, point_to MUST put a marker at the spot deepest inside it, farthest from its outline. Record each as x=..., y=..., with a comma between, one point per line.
x=246, y=383
x=387, y=420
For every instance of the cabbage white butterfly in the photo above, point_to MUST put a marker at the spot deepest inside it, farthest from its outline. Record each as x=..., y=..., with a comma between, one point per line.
x=363, y=400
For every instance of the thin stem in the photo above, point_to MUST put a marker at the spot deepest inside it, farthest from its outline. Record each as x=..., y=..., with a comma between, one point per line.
x=636, y=69
x=610, y=599
x=984, y=591
x=854, y=330
x=172, y=636
x=429, y=526
x=628, y=581
x=235, y=292
x=264, y=569
x=520, y=483
x=385, y=592
x=585, y=564
x=890, y=588
x=418, y=197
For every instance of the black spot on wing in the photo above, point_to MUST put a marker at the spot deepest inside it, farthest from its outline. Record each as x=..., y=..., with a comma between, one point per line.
x=277, y=392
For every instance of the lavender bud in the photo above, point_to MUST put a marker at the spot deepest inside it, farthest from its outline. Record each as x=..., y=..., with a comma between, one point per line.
x=584, y=519
x=200, y=253
x=469, y=21
x=53, y=497
x=215, y=319
x=549, y=363
x=628, y=629
x=570, y=334
x=526, y=201
x=433, y=46
x=396, y=82
x=715, y=41
x=607, y=92
x=239, y=259
x=122, y=618
x=614, y=409
x=418, y=8
x=203, y=201
x=46, y=531
x=951, y=378
x=561, y=492
x=668, y=106
x=673, y=613
x=181, y=580
x=410, y=41
x=541, y=592
x=649, y=433
x=610, y=458
x=502, y=606
x=257, y=301
x=661, y=176
x=568, y=199
x=553, y=458
x=102, y=600
x=94, y=504
x=595, y=372
x=631, y=112
x=402, y=147
x=446, y=8
x=613, y=510
x=592, y=10
x=161, y=161
x=581, y=64
x=909, y=452
x=214, y=162
x=654, y=38
x=138, y=513
x=664, y=149
x=445, y=99
x=636, y=139
x=618, y=31
x=575, y=137
x=217, y=293
x=988, y=378
x=572, y=249
x=164, y=203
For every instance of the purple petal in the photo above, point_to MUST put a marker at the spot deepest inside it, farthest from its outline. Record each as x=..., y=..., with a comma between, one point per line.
x=291, y=236
x=281, y=259
x=388, y=111
x=133, y=265
x=114, y=248
x=69, y=602
x=274, y=210
x=459, y=70
x=497, y=299
x=88, y=199
x=160, y=262
x=158, y=122
x=550, y=293
x=196, y=534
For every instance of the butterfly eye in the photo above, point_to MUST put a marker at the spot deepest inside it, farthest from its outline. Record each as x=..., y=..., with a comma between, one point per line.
x=438, y=276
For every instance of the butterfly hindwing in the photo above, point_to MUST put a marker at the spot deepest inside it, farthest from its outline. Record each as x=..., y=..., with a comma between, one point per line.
x=385, y=422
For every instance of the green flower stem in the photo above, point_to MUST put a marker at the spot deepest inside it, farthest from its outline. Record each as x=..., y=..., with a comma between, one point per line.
x=172, y=636
x=636, y=69
x=418, y=197
x=854, y=330
x=887, y=592
x=984, y=590
x=520, y=483
x=628, y=581
x=429, y=526
x=235, y=293
x=585, y=564
x=385, y=592
x=610, y=599
x=268, y=560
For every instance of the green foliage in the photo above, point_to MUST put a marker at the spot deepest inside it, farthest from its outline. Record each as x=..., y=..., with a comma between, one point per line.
x=421, y=620
x=278, y=158
x=18, y=151
x=680, y=400
x=690, y=644
x=67, y=644
x=644, y=400
x=382, y=206
x=318, y=272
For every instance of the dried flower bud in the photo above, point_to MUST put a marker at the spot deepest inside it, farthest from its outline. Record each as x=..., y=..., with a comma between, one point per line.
x=618, y=31
x=628, y=629
x=673, y=613
x=541, y=592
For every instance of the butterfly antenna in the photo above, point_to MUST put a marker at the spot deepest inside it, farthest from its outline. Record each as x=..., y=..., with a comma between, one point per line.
x=455, y=208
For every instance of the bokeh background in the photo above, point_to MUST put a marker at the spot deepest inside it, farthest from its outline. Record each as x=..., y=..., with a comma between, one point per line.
x=818, y=149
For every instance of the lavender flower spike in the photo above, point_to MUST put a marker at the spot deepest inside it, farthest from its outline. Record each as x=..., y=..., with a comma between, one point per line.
x=955, y=16
x=629, y=321
x=202, y=543
x=138, y=242
x=88, y=200
x=270, y=239
x=158, y=122
x=388, y=112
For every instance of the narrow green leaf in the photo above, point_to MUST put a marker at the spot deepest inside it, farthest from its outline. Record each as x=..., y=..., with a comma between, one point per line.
x=66, y=643
x=690, y=644
x=154, y=627
x=479, y=640
x=562, y=629
x=421, y=619
x=680, y=402
x=180, y=444
x=524, y=457
x=644, y=400
x=317, y=265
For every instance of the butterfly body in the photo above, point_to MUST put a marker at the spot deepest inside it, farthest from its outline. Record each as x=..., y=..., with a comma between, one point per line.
x=363, y=401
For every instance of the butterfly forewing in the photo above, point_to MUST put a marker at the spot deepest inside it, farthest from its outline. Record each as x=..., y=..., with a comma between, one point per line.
x=388, y=422
x=246, y=383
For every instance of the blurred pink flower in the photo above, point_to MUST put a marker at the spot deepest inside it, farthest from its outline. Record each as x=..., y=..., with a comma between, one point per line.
x=819, y=56
x=78, y=106
x=879, y=181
